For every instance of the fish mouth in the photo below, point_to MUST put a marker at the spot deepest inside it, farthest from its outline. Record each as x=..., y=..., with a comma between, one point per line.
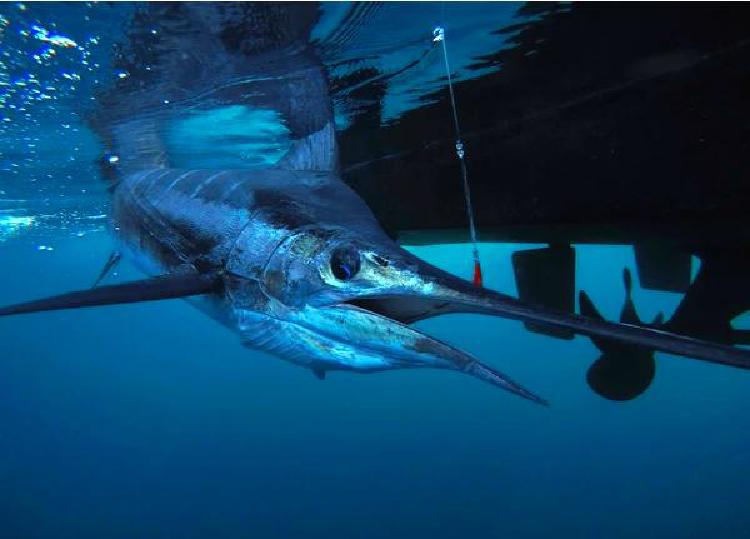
x=406, y=347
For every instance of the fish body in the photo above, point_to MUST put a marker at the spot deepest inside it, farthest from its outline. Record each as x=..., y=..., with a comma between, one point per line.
x=262, y=231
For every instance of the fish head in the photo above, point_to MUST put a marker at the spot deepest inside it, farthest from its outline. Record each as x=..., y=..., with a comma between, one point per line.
x=336, y=300
x=327, y=266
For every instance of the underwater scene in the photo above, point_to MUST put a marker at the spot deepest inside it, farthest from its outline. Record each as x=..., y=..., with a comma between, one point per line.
x=374, y=270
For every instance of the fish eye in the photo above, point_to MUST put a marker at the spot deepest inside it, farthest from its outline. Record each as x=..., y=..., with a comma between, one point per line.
x=345, y=263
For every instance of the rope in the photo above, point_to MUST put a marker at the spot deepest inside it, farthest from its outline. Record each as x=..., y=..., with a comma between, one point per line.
x=439, y=36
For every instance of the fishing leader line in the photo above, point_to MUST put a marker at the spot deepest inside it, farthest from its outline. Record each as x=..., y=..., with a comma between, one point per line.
x=438, y=36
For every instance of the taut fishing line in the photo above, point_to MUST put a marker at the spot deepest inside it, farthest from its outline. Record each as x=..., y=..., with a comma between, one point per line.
x=438, y=36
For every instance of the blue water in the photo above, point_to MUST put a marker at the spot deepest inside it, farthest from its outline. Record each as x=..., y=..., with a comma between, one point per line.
x=152, y=421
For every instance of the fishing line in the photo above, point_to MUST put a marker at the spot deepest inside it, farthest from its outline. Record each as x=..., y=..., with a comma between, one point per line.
x=438, y=35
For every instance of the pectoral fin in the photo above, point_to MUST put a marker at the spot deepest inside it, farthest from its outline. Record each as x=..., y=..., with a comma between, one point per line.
x=162, y=287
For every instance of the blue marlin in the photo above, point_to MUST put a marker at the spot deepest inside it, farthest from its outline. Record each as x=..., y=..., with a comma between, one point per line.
x=290, y=258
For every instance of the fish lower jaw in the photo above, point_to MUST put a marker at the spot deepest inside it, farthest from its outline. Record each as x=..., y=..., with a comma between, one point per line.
x=297, y=342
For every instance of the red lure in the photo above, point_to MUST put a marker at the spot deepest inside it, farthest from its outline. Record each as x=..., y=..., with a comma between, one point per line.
x=477, y=280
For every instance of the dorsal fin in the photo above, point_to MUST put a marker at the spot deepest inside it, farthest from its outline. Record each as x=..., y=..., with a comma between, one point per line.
x=162, y=287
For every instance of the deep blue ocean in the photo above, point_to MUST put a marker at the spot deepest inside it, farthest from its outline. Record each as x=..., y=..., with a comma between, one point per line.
x=152, y=421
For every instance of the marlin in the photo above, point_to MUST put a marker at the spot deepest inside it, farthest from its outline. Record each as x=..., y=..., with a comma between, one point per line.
x=296, y=265
x=290, y=258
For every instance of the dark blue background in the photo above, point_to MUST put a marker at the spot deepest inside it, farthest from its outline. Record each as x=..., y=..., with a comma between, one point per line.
x=152, y=421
